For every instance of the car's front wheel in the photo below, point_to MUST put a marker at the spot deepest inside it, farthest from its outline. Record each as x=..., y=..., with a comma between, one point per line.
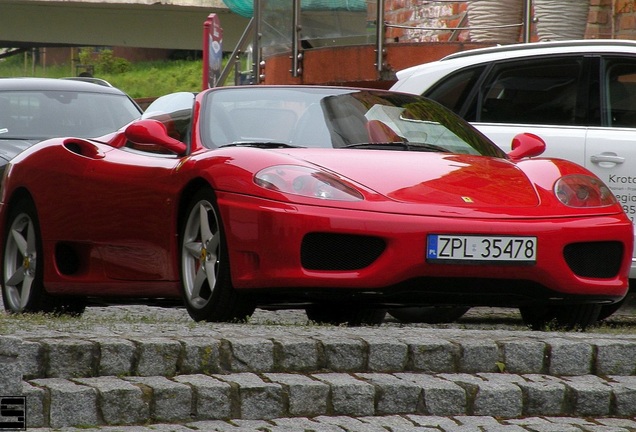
x=22, y=267
x=564, y=317
x=205, y=267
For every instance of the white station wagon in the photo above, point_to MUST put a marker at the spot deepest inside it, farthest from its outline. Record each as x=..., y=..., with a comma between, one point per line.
x=579, y=96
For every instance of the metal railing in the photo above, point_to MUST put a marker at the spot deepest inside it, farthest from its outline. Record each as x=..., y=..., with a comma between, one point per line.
x=249, y=44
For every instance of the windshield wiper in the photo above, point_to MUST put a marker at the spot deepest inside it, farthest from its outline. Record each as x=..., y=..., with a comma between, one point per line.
x=398, y=145
x=260, y=144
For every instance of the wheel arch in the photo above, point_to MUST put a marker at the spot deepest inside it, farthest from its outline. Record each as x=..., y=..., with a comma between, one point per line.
x=17, y=196
x=186, y=196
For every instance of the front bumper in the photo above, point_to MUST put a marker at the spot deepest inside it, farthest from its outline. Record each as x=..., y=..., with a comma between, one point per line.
x=265, y=240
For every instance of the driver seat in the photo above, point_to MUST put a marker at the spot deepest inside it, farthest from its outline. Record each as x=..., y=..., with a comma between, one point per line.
x=380, y=132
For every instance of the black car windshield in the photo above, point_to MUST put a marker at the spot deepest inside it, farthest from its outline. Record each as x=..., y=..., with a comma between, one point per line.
x=42, y=114
x=323, y=117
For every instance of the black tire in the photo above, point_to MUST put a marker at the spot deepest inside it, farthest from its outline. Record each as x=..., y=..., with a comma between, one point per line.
x=22, y=267
x=206, y=285
x=349, y=315
x=429, y=314
x=565, y=317
x=609, y=310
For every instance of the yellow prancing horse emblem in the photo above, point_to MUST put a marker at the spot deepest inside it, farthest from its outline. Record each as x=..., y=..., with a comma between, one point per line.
x=467, y=199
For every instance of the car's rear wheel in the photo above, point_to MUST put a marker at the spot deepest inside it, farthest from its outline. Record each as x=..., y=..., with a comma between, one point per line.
x=429, y=315
x=205, y=267
x=22, y=267
x=565, y=317
x=349, y=315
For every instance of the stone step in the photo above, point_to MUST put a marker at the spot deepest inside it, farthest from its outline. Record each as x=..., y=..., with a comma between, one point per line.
x=228, y=375
x=62, y=402
x=558, y=354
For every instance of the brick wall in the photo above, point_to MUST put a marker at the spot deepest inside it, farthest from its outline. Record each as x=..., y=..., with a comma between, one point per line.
x=608, y=19
x=427, y=15
x=624, y=18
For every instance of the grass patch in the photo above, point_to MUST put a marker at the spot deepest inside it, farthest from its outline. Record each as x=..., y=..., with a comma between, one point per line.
x=141, y=80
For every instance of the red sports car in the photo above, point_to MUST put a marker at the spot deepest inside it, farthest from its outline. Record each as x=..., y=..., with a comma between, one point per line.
x=341, y=201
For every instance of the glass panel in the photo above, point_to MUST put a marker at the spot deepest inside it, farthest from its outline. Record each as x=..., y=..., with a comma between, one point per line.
x=453, y=92
x=335, y=118
x=621, y=93
x=538, y=92
x=324, y=23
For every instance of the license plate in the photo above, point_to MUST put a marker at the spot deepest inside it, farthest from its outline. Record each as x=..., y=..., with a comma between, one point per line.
x=481, y=249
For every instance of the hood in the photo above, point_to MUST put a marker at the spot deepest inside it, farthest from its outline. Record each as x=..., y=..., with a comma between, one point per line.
x=10, y=148
x=432, y=178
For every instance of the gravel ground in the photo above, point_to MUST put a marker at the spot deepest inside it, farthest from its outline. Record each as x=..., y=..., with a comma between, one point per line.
x=117, y=319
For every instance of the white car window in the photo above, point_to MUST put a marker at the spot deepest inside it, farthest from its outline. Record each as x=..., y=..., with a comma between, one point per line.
x=620, y=81
x=537, y=92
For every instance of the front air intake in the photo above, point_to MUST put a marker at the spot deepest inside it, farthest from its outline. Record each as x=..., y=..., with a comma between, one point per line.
x=339, y=252
x=594, y=259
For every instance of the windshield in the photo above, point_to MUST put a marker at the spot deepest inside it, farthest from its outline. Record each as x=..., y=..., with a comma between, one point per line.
x=335, y=118
x=38, y=115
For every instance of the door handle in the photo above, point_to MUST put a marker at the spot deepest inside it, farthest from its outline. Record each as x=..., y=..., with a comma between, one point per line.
x=607, y=157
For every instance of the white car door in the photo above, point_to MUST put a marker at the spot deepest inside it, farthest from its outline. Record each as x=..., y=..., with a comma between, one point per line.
x=610, y=150
x=611, y=155
x=561, y=142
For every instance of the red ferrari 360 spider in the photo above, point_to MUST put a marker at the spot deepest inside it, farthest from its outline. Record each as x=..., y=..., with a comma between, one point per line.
x=341, y=201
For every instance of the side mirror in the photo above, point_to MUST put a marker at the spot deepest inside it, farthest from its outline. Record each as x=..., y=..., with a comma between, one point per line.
x=526, y=145
x=153, y=132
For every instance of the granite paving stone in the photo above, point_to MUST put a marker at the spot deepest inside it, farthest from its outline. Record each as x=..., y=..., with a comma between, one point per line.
x=543, y=394
x=35, y=400
x=394, y=395
x=305, y=396
x=10, y=367
x=350, y=424
x=258, y=399
x=69, y=404
x=479, y=355
x=296, y=354
x=615, y=357
x=344, y=354
x=624, y=395
x=591, y=395
x=249, y=354
x=69, y=357
x=433, y=355
x=33, y=360
x=120, y=402
x=200, y=355
x=524, y=356
x=171, y=401
x=302, y=424
x=570, y=357
x=386, y=354
x=157, y=356
x=349, y=396
x=489, y=397
x=212, y=398
x=441, y=397
x=116, y=356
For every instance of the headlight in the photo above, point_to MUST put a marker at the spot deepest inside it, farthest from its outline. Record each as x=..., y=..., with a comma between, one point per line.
x=305, y=181
x=579, y=190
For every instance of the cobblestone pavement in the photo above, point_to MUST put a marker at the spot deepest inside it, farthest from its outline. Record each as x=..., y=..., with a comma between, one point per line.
x=140, y=368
